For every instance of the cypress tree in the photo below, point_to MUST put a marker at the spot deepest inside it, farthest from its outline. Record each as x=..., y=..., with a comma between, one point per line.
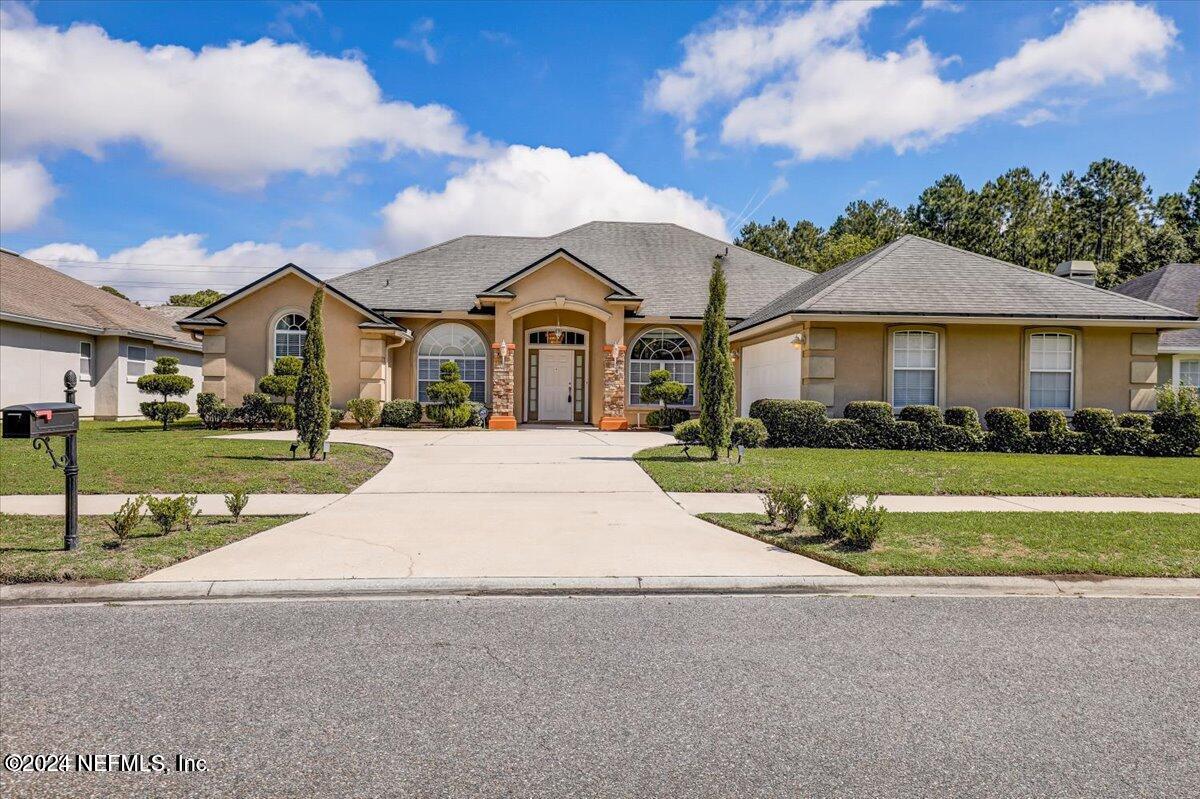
x=312, y=388
x=716, y=367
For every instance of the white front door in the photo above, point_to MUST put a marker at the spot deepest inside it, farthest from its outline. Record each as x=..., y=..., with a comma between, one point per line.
x=556, y=385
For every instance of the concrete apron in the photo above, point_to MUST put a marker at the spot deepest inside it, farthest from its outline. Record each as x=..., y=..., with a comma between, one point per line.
x=465, y=504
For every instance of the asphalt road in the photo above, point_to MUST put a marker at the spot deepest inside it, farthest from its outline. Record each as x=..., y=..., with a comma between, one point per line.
x=622, y=697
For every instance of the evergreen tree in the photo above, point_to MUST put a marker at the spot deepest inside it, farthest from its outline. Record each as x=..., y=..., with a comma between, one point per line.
x=312, y=389
x=716, y=367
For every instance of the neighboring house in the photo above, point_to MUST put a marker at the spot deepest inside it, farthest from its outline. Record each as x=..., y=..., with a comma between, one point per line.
x=50, y=322
x=1175, y=286
x=568, y=327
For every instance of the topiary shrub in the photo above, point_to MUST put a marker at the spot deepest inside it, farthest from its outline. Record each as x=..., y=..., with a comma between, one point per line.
x=963, y=416
x=364, y=411
x=1007, y=430
x=165, y=382
x=284, y=416
x=312, y=388
x=1098, y=422
x=688, y=434
x=213, y=412
x=449, y=406
x=282, y=383
x=792, y=423
x=870, y=413
x=256, y=410
x=665, y=391
x=400, y=413
x=925, y=416
x=1045, y=420
x=1134, y=420
x=665, y=418
x=748, y=433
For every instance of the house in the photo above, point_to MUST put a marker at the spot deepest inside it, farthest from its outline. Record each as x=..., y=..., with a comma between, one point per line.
x=1175, y=286
x=50, y=322
x=567, y=328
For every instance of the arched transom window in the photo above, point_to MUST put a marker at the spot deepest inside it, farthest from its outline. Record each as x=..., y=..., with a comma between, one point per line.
x=661, y=348
x=452, y=342
x=290, y=331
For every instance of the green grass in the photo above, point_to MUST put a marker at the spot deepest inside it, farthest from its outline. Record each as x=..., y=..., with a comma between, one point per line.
x=1119, y=544
x=897, y=472
x=31, y=547
x=136, y=457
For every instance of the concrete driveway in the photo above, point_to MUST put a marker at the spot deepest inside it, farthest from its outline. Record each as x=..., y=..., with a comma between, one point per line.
x=537, y=502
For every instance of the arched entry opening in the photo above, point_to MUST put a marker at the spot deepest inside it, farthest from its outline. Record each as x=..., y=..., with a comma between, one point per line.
x=556, y=374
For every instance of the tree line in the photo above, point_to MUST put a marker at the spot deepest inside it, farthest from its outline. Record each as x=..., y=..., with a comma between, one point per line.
x=1108, y=215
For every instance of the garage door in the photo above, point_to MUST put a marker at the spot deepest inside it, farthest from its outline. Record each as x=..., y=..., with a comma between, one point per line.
x=770, y=370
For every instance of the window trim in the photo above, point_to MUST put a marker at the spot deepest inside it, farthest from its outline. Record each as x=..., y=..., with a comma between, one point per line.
x=939, y=369
x=419, y=340
x=1177, y=360
x=145, y=359
x=86, y=375
x=282, y=312
x=1076, y=335
x=630, y=401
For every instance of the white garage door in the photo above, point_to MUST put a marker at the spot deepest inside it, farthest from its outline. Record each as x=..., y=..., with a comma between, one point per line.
x=770, y=370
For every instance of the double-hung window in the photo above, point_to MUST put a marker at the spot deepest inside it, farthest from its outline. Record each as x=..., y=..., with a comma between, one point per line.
x=914, y=367
x=135, y=358
x=85, y=361
x=1052, y=371
x=1189, y=372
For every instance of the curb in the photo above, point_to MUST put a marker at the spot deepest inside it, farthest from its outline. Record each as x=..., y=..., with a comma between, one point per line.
x=55, y=594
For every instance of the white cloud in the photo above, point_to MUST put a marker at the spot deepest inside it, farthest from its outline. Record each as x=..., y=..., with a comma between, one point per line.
x=536, y=192
x=825, y=95
x=233, y=115
x=691, y=143
x=160, y=267
x=26, y=188
x=418, y=40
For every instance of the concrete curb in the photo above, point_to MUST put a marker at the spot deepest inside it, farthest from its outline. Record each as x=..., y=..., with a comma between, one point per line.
x=53, y=593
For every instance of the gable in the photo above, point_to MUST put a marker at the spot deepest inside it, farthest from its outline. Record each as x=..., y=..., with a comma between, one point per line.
x=559, y=276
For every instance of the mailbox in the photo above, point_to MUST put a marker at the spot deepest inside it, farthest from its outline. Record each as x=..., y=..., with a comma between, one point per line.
x=41, y=419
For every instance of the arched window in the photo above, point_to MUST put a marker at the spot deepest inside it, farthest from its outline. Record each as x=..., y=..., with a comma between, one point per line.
x=290, y=331
x=661, y=348
x=452, y=342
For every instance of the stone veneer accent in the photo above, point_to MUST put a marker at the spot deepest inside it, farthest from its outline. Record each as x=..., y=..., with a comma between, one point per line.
x=614, y=388
x=503, y=358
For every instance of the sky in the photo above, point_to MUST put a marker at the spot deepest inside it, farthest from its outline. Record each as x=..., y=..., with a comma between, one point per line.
x=168, y=147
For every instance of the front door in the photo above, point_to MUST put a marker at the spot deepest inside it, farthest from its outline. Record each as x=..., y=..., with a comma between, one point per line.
x=556, y=385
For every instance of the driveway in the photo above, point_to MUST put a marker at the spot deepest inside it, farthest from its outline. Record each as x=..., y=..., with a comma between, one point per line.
x=536, y=502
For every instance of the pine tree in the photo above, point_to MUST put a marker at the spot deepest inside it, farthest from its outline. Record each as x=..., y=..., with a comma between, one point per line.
x=716, y=367
x=312, y=389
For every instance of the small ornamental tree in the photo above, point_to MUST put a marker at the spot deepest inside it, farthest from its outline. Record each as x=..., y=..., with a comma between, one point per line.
x=282, y=383
x=665, y=391
x=716, y=367
x=450, y=395
x=312, y=387
x=166, y=382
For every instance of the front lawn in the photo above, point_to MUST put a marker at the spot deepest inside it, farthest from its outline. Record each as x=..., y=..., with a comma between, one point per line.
x=1120, y=544
x=137, y=457
x=903, y=472
x=31, y=547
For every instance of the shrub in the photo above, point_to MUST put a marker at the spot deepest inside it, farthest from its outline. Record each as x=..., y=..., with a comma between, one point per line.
x=748, y=433
x=1176, y=423
x=284, y=416
x=665, y=391
x=364, y=410
x=688, y=434
x=168, y=513
x=256, y=410
x=861, y=526
x=791, y=423
x=828, y=505
x=165, y=382
x=1007, y=430
x=1046, y=420
x=336, y=415
x=124, y=521
x=236, y=503
x=714, y=369
x=963, y=416
x=1097, y=422
x=449, y=398
x=770, y=506
x=845, y=434
x=925, y=416
x=213, y=412
x=955, y=438
x=478, y=414
x=870, y=413
x=400, y=413
x=282, y=383
x=312, y=388
x=790, y=504
x=664, y=418
x=1134, y=420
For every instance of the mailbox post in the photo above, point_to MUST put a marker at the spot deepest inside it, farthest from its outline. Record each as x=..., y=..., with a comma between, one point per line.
x=42, y=420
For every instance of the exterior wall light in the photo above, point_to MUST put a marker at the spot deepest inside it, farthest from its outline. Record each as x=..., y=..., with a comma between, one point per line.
x=798, y=341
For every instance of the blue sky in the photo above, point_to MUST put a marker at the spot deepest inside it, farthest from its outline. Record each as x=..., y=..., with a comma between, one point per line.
x=338, y=133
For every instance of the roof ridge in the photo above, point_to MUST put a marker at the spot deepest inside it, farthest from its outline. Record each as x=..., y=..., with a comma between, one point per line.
x=868, y=259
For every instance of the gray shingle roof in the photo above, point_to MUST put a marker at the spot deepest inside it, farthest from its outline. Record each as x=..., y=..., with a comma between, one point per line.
x=913, y=276
x=1173, y=285
x=665, y=263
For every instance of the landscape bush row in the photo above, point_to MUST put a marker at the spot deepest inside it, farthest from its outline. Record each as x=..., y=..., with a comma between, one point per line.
x=1172, y=430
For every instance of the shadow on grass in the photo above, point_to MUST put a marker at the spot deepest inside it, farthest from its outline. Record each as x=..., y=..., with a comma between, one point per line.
x=4, y=550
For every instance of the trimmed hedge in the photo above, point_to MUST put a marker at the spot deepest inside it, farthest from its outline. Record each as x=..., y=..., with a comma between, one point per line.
x=667, y=418
x=400, y=413
x=873, y=425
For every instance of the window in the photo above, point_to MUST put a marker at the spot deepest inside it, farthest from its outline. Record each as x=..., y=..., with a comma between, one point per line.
x=85, y=360
x=1189, y=372
x=568, y=338
x=914, y=368
x=661, y=348
x=452, y=342
x=1052, y=371
x=135, y=366
x=290, y=331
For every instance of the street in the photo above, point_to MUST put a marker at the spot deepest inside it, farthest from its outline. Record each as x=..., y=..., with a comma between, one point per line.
x=716, y=696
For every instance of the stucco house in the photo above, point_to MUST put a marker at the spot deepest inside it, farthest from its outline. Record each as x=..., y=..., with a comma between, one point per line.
x=1175, y=286
x=567, y=328
x=50, y=322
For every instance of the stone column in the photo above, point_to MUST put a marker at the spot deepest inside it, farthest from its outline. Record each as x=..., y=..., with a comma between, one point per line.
x=503, y=357
x=614, y=388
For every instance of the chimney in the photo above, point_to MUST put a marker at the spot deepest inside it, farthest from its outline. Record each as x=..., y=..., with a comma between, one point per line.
x=1080, y=271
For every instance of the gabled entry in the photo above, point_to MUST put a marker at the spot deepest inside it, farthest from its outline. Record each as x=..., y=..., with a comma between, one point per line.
x=556, y=374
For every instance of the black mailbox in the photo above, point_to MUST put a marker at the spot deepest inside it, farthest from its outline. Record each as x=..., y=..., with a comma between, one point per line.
x=40, y=419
